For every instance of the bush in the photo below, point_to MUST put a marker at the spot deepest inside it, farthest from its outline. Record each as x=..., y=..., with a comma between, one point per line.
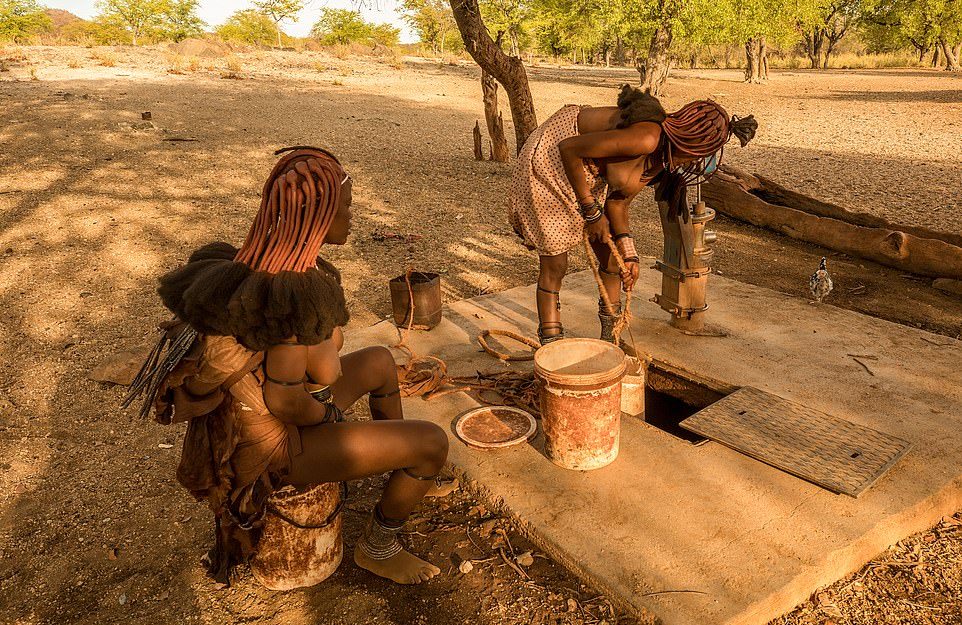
x=249, y=26
x=21, y=20
x=342, y=27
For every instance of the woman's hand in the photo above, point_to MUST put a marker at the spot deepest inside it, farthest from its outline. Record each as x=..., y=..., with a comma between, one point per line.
x=630, y=276
x=599, y=231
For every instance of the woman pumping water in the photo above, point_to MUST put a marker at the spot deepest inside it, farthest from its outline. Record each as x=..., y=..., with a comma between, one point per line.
x=580, y=170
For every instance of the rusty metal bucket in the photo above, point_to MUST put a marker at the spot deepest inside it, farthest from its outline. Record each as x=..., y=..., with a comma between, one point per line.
x=426, y=289
x=300, y=544
x=580, y=401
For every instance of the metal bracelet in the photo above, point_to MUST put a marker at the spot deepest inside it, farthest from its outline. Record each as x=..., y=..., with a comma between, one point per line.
x=595, y=218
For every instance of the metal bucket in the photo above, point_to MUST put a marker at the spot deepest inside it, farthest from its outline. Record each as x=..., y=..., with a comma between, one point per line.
x=426, y=289
x=633, y=387
x=300, y=544
x=580, y=401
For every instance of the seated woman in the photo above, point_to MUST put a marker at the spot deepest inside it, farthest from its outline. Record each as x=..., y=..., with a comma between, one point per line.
x=267, y=356
x=579, y=172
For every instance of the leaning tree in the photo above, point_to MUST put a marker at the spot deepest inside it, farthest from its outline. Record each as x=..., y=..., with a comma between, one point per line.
x=507, y=70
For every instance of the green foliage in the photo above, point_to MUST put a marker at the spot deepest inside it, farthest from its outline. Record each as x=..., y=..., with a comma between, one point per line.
x=342, y=26
x=139, y=17
x=22, y=19
x=434, y=23
x=249, y=26
x=180, y=20
x=510, y=19
x=131, y=21
x=893, y=24
x=279, y=11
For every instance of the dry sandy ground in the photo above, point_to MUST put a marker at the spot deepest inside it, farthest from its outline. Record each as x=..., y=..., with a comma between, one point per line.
x=93, y=206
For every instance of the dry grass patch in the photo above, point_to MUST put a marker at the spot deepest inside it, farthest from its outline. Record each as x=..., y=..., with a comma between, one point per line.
x=104, y=58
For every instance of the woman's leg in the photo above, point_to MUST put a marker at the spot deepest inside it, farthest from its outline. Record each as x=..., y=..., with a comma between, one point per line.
x=552, y=273
x=410, y=450
x=369, y=371
x=611, y=277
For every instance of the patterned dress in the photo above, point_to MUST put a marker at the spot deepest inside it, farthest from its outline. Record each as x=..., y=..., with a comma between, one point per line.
x=543, y=208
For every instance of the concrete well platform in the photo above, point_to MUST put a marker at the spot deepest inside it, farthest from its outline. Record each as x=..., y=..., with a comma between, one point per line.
x=703, y=535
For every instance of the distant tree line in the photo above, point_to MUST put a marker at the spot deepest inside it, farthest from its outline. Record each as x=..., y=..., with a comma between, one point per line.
x=650, y=34
x=146, y=21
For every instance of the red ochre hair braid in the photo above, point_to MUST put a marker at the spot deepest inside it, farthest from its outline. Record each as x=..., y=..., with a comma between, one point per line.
x=699, y=128
x=298, y=205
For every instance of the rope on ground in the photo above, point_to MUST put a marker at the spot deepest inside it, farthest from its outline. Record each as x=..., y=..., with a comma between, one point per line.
x=420, y=375
x=511, y=335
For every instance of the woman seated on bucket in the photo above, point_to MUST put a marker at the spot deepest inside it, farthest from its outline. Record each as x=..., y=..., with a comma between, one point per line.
x=269, y=316
x=580, y=170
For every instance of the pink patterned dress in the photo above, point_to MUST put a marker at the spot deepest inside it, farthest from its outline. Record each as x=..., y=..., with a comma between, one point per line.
x=543, y=208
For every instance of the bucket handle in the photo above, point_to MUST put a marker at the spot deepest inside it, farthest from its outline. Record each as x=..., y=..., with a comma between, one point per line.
x=272, y=509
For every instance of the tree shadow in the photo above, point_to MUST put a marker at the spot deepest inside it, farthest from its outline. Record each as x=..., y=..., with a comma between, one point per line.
x=101, y=211
x=933, y=96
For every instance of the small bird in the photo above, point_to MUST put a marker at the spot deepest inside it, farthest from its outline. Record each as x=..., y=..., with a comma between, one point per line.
x=820, y=283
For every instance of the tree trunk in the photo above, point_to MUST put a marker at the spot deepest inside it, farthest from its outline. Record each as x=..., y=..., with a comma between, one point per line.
x=489, y=93
x=278, y=24
x=478, y=154
x=951, y=56
x=762, y=59
x=654, y=70
x=752, y=61
x=509, y=71
x=813, y=47
x=935, y=57
x=888, y=246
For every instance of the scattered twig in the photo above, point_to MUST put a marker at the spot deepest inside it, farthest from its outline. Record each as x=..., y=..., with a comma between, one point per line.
x=180, y=139
x=517, y=569
x=919, y=605
x=467, y=530
x=666, y=592
x=864, y=366
x=928, y=340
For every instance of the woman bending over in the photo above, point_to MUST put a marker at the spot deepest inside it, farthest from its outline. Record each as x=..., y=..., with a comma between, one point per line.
x=579, y=172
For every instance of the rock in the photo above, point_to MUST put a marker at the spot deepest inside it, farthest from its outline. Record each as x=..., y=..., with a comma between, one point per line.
x=525, y=559
x=120, y=368
x=145, y=116
x=122, y=600
x=466, y=567
x=948, y=285
x=487, y=527
x=572, y=605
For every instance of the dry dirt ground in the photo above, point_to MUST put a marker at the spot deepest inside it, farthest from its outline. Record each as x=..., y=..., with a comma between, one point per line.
x=94, y=204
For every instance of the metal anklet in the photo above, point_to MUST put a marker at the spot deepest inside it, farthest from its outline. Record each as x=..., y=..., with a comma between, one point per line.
x=379, y=541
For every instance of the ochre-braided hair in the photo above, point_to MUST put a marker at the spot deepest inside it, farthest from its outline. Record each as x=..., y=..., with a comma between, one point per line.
x=698, y=129
x=298, y=204
x=275, y=286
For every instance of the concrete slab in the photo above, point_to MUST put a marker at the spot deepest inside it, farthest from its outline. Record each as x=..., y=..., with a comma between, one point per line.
x=703, y=535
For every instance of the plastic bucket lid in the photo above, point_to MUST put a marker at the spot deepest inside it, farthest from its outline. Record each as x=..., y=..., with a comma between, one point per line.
x=579, y=362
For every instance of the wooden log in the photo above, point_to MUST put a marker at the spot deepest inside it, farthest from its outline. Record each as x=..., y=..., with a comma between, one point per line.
x=489, y=94
x=894, y=248
x=774, y=193
x=478, y=154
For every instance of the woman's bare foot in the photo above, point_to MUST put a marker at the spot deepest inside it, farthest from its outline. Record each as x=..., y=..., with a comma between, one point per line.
x=403, y=567
x=443, y=489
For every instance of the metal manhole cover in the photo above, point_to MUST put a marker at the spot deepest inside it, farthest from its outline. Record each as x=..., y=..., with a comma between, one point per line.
x=836, y=454
x=493, y=427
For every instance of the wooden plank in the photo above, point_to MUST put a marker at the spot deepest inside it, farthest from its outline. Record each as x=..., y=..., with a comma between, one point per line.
x=836, y=454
